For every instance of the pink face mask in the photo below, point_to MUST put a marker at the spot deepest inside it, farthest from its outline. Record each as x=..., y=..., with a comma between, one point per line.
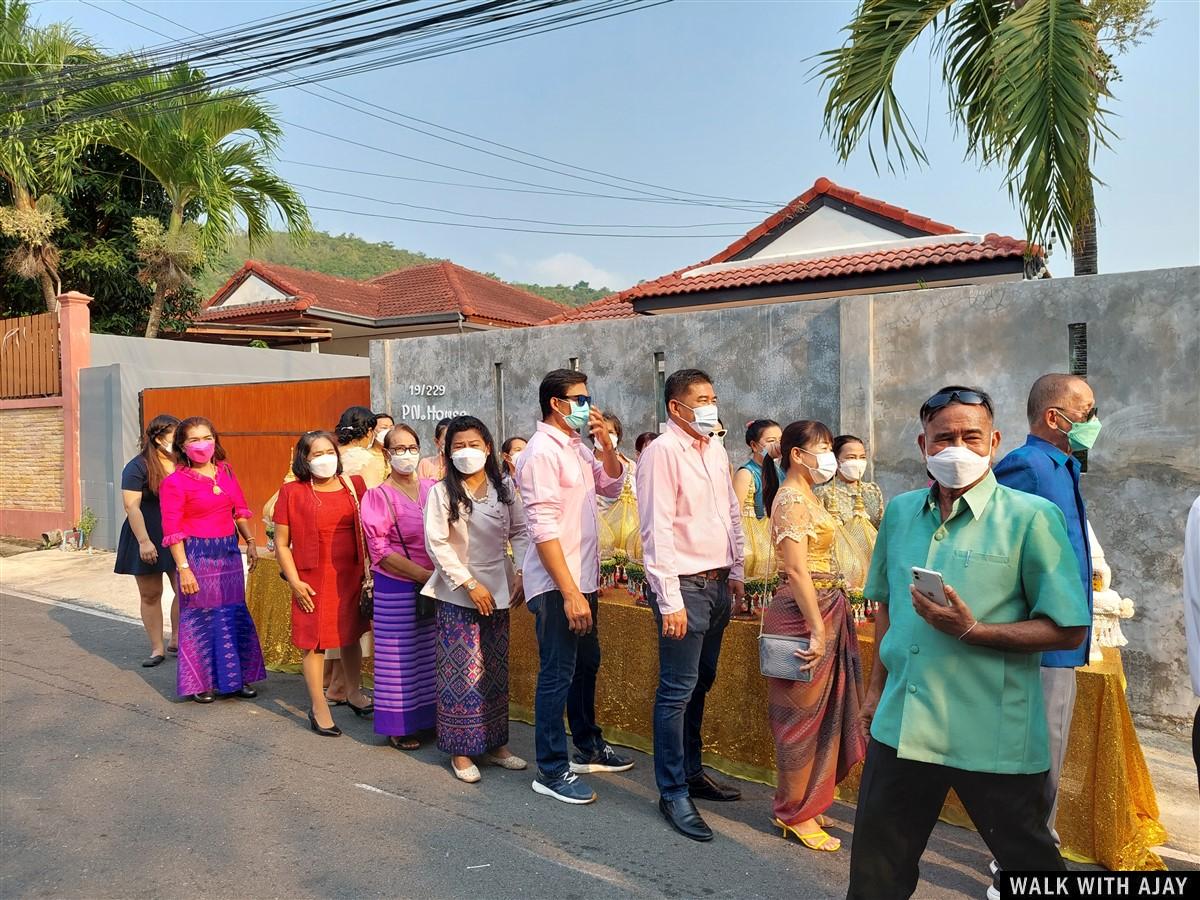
x=200, y=452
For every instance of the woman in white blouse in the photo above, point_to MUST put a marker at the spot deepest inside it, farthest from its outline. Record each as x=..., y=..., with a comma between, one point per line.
x=471, y=516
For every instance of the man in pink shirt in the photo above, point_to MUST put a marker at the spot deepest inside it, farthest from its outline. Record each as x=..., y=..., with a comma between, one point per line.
x=693, y=551
x=559, y=478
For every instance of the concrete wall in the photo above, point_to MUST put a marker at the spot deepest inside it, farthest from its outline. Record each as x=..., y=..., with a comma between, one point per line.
x=122, y=367
x=865, y=364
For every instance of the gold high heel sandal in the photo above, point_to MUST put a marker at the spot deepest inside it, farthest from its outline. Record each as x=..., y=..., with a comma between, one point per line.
x=819, y=840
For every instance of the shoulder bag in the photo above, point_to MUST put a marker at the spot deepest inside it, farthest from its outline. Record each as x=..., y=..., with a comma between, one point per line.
x=426, y=606
x=366, y=595
x=777, y=655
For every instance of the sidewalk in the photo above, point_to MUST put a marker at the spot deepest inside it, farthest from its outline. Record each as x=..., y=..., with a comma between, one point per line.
x=86, y=578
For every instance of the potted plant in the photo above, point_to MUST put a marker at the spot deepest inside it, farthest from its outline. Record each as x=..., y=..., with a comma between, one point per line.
x=85, y=526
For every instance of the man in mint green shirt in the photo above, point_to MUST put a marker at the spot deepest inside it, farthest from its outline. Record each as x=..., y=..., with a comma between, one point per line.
x=955, y=699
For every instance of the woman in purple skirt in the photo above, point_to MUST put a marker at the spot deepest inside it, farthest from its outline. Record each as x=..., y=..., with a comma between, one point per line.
x=405, y=636
x=203, y=511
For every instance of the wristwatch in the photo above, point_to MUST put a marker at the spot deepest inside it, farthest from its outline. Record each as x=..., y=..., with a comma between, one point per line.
x=471, y=585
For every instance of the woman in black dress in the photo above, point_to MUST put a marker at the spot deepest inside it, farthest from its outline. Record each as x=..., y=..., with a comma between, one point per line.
x=139, y=550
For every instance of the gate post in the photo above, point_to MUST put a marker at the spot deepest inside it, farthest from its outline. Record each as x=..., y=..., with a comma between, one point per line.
x=75, y=341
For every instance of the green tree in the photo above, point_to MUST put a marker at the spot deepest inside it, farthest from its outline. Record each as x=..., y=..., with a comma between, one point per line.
x=1025, y=79
x=36, y=151
x=212, y=152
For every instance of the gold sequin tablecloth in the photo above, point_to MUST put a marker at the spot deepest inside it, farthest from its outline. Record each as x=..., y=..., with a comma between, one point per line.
x=269, y=600
x=1107, y=809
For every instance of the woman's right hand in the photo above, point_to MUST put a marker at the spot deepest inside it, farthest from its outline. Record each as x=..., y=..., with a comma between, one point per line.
x=187, y=582
x=148, y=551
x=304, y=594
x=816, y=650
x=483, y=599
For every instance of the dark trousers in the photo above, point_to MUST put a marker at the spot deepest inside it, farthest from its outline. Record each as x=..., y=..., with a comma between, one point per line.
x=567, y=676
x=686, y=670
x=898, y=805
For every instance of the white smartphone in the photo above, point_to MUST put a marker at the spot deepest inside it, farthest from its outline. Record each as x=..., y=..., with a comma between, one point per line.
x=930, y=583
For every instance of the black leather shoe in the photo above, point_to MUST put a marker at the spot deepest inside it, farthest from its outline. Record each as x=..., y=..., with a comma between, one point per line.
x=246, y=692
x=685, y=818
x=203, y=697
x=702, y=787
x=332, y=731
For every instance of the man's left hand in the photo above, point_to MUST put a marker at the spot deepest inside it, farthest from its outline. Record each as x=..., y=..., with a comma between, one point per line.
x=954, y=620
x=737, y=593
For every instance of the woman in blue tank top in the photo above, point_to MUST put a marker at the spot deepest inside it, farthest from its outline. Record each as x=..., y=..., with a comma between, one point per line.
x=762, y=437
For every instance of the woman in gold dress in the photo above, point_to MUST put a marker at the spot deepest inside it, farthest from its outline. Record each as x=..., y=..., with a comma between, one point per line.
x=818, y=738
x=839, y=493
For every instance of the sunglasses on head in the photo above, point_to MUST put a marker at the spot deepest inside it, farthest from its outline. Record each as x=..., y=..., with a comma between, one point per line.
x=970, y=398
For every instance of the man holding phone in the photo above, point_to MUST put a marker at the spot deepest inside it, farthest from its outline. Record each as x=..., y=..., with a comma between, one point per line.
x=955, y=699
x=559, y=478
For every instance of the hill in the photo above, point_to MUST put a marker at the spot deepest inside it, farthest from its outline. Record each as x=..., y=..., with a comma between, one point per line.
x=350, y=256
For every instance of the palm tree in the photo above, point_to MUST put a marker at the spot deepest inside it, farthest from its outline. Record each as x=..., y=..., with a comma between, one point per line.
x=211, y=151
x=36, y=154
x=1025, y=79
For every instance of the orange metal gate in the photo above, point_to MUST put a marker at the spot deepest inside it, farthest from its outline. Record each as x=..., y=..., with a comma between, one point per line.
x=259, y=423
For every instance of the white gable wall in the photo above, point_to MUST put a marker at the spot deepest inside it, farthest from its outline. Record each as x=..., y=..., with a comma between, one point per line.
x=254, y=290
x=825, y=229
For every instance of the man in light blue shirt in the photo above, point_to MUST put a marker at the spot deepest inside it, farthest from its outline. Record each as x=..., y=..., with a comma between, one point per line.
x=1062, y=419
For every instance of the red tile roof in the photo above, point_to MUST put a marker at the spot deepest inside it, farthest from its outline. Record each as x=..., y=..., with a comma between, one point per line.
x=993, y=247
x=423, y=290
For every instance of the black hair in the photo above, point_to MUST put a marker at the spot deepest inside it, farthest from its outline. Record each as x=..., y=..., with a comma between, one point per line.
x=355, y=424
x=398, y=428
x=300, y=467
x=755, y=429
x=842, y=440
x=615, y=422
x=679, y=382
x=555, y=385
x=440, y=428
x=798, y=434
x=459, y=497
x=643, y=439
x=384, y=415
x=927, y=413
x=181, y=430
x=155, y=428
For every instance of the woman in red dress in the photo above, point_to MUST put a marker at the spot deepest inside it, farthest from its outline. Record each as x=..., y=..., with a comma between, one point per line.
x=320, y=549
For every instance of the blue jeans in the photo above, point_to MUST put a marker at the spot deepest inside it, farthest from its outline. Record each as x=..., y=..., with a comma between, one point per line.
x=686, y=670
x=567, y=676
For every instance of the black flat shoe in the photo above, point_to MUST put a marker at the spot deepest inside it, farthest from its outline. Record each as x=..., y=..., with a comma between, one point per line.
x=247, y=693
x=362, y=711
x=156, y=660
x=683, y=816
x=333, y=731
x=203, y=697
x=703, y=787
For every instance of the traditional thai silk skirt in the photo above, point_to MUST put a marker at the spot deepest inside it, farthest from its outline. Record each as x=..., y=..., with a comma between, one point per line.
x=218, y=646
x=472, y=680
x=818, y=736
x=405, y=654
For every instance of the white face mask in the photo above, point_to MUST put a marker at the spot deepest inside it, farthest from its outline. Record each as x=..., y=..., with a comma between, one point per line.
x=468, y=460
x=405, y=463
x=770, y=449
x=324, y=466
x=852, y=469
x=380, y=435
x=957, y=467
x=706, y=418
x=825, y=467
x=613, y=439
x=167, y=447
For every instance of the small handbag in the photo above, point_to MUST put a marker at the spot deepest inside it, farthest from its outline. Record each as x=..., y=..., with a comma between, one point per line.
x=366, y=594
x=426, y=606
x=777, y=656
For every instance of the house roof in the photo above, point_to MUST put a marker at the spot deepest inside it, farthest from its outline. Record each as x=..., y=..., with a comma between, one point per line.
x=422, y=290
x=727, y=272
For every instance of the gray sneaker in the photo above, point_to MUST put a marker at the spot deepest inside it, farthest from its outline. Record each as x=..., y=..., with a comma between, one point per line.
x=565, y=787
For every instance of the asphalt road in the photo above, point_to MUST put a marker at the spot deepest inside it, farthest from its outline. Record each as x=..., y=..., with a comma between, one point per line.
x=110, y=787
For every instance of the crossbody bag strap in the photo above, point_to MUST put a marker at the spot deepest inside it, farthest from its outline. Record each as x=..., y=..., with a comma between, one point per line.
x=358, y=529
x=396, y=521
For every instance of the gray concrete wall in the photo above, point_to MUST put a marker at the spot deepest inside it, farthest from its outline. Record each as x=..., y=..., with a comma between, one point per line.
x=122, y=367
x=865, y=364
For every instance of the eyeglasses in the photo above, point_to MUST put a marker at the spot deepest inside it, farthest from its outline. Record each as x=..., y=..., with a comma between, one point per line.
x=720, y=433
x=970, y=398
x=579, y=400
x=1087, y=417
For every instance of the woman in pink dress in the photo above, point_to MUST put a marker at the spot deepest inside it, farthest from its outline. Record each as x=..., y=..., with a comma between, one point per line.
x=203, y=511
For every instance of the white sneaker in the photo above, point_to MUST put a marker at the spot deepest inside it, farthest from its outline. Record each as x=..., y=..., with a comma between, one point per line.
x=992, y=893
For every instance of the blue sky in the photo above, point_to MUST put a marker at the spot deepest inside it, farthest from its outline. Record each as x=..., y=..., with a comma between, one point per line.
x=710, y=97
